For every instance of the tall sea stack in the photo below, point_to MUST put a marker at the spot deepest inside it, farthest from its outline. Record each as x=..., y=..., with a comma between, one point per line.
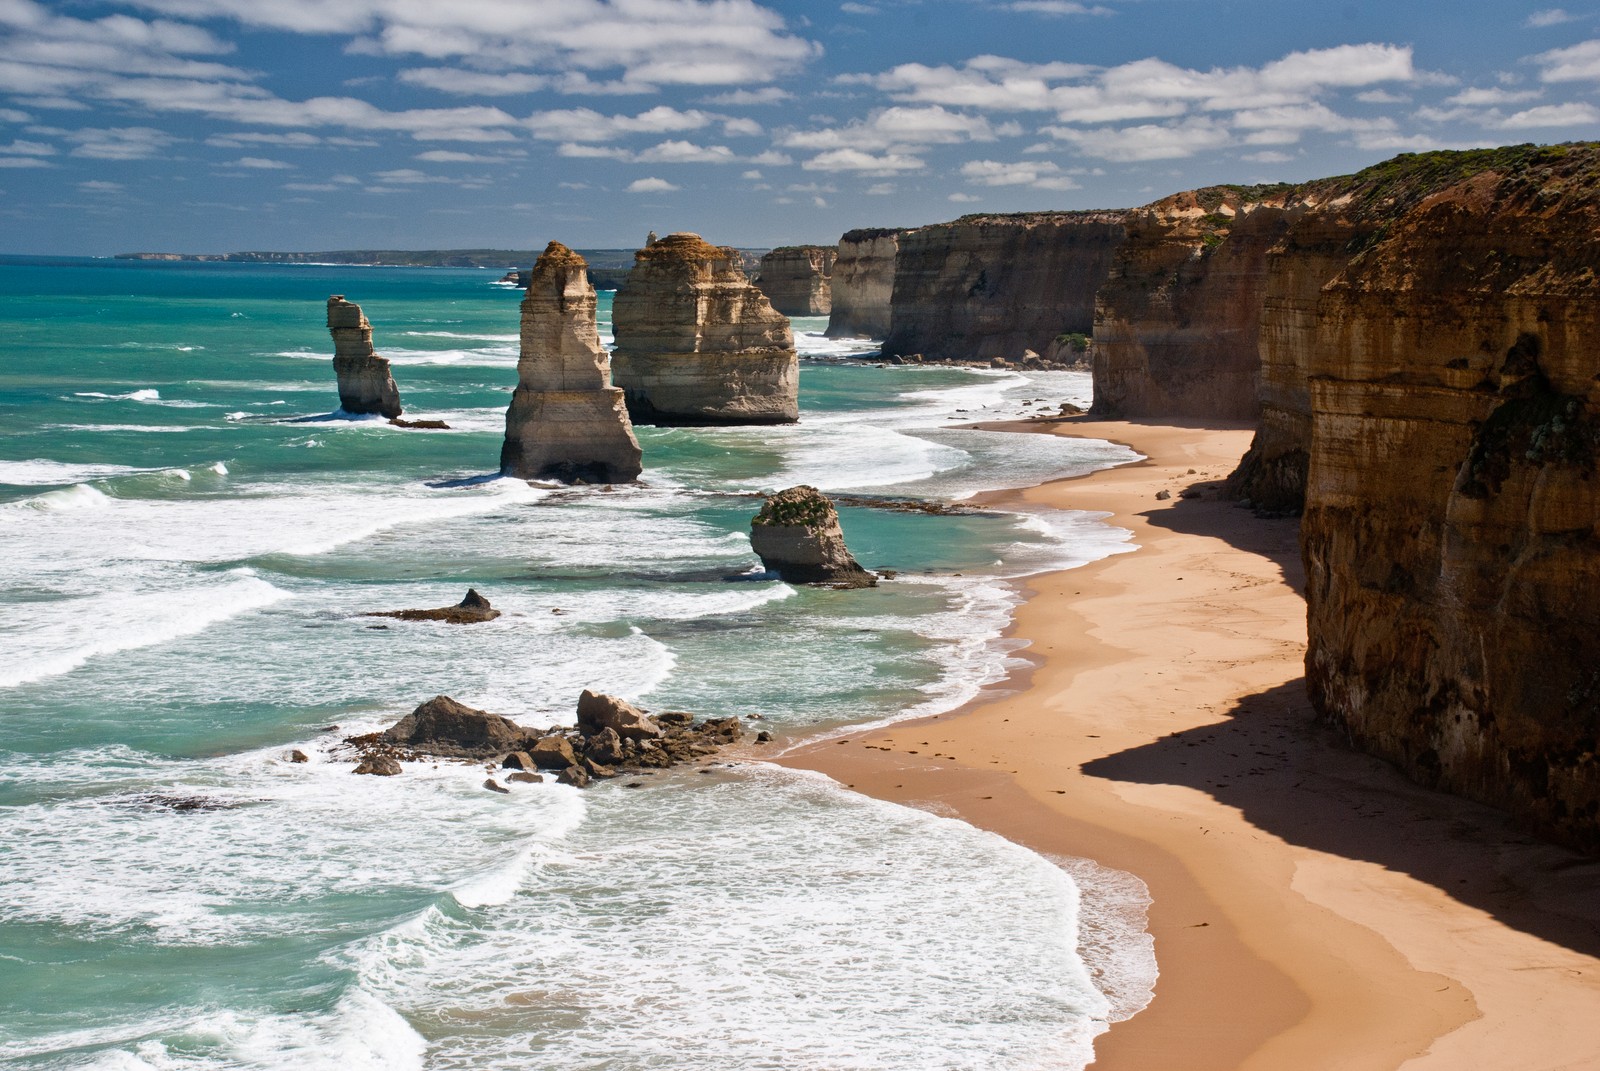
x=863, y=283
x=566, y=421
x=698, y=344
x=365, y=382
x=797, y=279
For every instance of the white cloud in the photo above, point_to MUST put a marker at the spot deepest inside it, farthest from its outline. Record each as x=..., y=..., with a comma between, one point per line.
x=1549, y=17
x=1057, y=7
x=752, y=175
x=651, y=185
x=741, y=128
x=856, y=160
x=1382, y=96
x=23, y=161
x=896, y=128
x=259, y=163
x=474, y=83
x=1575, y=63
x=120, y=143
x=1269, y=156
x=1476, y=98
x=28, y=148
x=1169, y=141
x=586, y=124
x=666, y=152
x=100, y=186
x=653, y=42
x=1039, y=174
x=881, y=189
x=11, y=115
x=449, y=156
x=964, y=198
x=1551, y=115
x=858, y=9
x=748, y=97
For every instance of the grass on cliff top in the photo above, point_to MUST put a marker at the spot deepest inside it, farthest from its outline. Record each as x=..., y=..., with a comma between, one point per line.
x=801, y=505
x=1411, y=176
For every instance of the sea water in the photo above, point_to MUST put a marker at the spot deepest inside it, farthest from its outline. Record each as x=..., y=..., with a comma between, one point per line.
x=189, y=533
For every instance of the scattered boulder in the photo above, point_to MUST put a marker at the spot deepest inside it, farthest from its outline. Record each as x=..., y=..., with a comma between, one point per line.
x=597, y=712
x=522, y=777
x=442, y=726
x=495, y=786
x=518, y=760
x=1163, y=494
x=604, y=747
x=366, y=384
x=552, y=753
x=797, y=536
x=379, y=766
x=298, y=756
x=470, y=610
x=575, y=776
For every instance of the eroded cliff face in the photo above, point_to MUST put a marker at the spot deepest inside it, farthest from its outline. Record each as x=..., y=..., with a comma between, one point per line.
x=566, y=421
x=1176, y=324
x=997, y=286
x=1452, y=524
x=696, y=343
x=863, y=284
x=798, y=279
x=366, y=384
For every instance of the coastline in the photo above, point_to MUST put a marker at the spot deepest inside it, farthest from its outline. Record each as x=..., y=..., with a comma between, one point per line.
x=1311, y=908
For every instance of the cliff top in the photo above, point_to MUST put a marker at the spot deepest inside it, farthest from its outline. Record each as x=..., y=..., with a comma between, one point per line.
x=804, y=249
x=867, y=234
x=1409, y=177
x=557, y=258
x=1092, y=215
x=686, y=246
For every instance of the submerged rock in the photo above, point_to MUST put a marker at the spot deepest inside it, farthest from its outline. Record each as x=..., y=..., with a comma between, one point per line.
x=797, y=536
x=566, y=421
x=697, y=343
x=470, y=610
x=442, y=726
x=366, y=384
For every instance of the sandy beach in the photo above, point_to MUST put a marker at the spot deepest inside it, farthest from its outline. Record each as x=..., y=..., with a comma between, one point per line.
x=1310, y=908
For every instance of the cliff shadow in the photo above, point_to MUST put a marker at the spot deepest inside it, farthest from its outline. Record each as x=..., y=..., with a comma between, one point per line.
x=1295, y=778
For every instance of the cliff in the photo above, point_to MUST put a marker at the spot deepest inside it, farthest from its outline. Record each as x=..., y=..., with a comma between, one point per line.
x=566, y=421
x=696, y=343
x=366, y=384
x=1452, y=523
x=984, y=287
x=863, y=284
x=1176, y=321
x=797, y=279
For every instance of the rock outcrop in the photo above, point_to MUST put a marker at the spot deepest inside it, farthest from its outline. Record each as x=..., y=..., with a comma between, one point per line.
x=1177, y=320
x=566, y=421
x=987, y=287
x=798, y=279
x=612, y=737
x=366, y=384
x=697, y=344
x=1452, y=523
x=797, y=536
x=862, y=287
x=470, y=610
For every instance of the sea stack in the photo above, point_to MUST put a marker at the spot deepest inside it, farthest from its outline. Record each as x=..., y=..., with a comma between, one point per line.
x=365, y=383
x=798, y=279
x=698, y=344
x=566, y=421
x=797, y=536
x=861, y=287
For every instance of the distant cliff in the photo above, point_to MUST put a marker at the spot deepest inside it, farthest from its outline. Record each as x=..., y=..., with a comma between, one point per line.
x=1452, y=523
x=996, y=286
x=798, y=279
x=863, y=283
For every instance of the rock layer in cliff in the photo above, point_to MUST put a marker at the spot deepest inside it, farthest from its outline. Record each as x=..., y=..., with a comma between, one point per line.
x=986, y=287
x=862, y=287
x=566, y=421
x=366, y=384
x=1452, y=523
x=797, y=279
x=698, y=344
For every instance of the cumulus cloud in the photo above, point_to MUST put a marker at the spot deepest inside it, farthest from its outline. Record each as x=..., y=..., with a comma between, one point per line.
x=1477, y=98
x=651, y=185
x=100, y=186
x=1039, y=174
x=653, y=42
x=120, y=143
x=964, y=198
x=745, y=97
x=586, y=124
x=898, y=128
x=1551, y=115
x=857, y=160
x=1549, y=17
x=1575, y=63
x=259, y=163
x=1149, y=141
x=1057, y=7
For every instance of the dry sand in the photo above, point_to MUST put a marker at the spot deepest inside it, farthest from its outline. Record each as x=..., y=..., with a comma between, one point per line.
x=1311, y=909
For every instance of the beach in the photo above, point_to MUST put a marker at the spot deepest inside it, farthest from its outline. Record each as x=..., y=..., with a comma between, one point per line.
x=1310, y=908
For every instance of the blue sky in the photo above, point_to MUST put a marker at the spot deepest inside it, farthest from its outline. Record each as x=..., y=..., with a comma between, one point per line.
x=217, y=125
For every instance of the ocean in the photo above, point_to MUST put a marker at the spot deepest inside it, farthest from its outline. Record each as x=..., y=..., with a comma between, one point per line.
x=188, y=536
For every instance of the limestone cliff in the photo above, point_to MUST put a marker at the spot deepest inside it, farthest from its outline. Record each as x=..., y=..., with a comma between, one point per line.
x=1452, y=523
x=984, y=287
x=798, y=279
x=863, y=284
x=365, y=383
x=566, y=421
x=1176, y=322
x=698, y=344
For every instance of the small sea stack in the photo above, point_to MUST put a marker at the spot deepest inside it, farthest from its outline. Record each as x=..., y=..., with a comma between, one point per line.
x=366, y=384
x=797, y=279
x=470, y=610
x=566, y=421
x=797, y=536
x=698, y=343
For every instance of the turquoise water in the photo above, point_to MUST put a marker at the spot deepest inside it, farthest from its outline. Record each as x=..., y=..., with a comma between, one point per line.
x=187, y=535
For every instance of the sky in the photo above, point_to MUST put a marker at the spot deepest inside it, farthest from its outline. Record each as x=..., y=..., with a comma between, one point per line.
x=218, y=125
